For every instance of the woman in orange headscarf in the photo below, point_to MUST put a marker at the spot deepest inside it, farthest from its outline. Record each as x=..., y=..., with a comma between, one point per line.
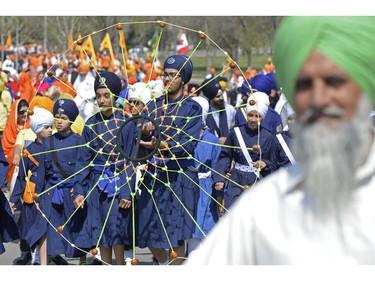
x=26, y=85
x=16, y=122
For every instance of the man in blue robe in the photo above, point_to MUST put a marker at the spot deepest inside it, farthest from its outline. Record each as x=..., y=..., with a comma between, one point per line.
x=169, y=203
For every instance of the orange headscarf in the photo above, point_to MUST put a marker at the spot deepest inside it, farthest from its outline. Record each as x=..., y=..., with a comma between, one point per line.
x=43, y=102
x=26, y=86
x=10, y=133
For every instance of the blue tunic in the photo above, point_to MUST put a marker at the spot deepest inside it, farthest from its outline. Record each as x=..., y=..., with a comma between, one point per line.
x=28, y=211
x=272, y=121
x=206, y=155
x=8, y=227
x=165, y=219
x=57, y=203
x=280, y=155
x=106, y=181
x=231, y=151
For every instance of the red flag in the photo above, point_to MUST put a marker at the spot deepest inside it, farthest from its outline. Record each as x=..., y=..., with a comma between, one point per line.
x=182, y=45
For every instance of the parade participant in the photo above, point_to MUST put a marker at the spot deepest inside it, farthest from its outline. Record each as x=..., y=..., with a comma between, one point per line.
x=8, y=227
x=16, y=122
x=5, y=103
x=55, y=183
x=26, y=135
x=105, y=181
x=63, y=83
x=249, y=165
x=41, y=123
x=220, y=117
x=320, y=211
x=165, y=213
x=41, y=85
x=26, y=85
x=262, y=83
x=206, y=156
x=84, y=86
x=278, y=100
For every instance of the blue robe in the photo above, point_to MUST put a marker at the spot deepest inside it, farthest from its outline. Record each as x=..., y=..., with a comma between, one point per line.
x=28, y=212
x=100, y=182
x=231, y=151
x=172, y=184
x=279, y=154
x=272, y=121
x=8, y=227
x=206, y=155
x=57, y=203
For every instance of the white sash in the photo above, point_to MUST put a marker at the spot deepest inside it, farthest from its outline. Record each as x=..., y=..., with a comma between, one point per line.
x=286, y=149
x=245, y=151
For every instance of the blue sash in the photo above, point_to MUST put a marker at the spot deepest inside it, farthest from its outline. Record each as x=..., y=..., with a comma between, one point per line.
x=108, y=182
x=58, y=193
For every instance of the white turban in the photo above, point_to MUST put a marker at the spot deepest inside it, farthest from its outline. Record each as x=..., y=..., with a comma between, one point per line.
x=261, y=104
x=157, y=88
x=205, y=106
x=140, y=91
x=40, y=119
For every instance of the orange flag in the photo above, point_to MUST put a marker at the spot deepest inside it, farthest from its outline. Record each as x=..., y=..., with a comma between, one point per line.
x=71, y=42
x=107, y=44
x=88, y=46
x=8, y=43
x=122, y=42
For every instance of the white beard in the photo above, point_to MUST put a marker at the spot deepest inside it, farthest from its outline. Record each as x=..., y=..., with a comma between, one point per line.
x=330, y=158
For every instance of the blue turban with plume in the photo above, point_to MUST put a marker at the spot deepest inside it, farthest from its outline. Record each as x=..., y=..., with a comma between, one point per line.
x=67, y=107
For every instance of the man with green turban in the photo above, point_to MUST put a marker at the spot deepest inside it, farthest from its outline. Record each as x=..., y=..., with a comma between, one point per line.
x=321, y=210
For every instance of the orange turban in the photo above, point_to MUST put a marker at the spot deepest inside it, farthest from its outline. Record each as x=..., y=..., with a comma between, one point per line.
x=42, y=102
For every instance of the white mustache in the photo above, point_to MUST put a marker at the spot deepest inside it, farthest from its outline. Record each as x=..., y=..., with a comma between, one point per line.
x=312, y=114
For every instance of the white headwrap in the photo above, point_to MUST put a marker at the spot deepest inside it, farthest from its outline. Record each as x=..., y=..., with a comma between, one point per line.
x=261, y=105
x=140, y=91
x=157, y=88
x=40, y=119
x=205, y=106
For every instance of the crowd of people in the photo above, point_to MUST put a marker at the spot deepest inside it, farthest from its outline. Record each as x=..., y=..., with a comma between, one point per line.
x=94, y=159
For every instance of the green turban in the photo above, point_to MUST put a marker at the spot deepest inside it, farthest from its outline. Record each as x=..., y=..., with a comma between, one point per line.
x=349, y=42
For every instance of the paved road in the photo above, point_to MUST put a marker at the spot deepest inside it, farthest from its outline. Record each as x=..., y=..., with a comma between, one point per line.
x=143, y=256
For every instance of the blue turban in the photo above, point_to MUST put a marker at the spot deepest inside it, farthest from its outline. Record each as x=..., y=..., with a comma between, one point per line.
x=260, y=82
x=273, y=78
x=67, y=107
x=211, y=89
x=108, y=80
x=181, y=63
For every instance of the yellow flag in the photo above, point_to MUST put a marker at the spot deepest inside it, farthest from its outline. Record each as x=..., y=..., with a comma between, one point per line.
x=71, y=42
x=8, y=43
x=107, y=44
x=88, y=46
x=122, y=42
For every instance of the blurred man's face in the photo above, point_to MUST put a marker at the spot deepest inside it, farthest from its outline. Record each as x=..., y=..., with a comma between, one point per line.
x=218, y=100
x=324, y=93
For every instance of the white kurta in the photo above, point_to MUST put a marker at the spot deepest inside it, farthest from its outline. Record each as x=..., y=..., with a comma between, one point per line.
x=268, y=225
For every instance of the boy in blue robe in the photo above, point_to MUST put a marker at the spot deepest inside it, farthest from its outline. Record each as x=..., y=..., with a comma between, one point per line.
x=41, y=124
x=106, y=183
x=54, y=225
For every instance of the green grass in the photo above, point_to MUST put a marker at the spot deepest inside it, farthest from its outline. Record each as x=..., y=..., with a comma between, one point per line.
x=200, y=68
